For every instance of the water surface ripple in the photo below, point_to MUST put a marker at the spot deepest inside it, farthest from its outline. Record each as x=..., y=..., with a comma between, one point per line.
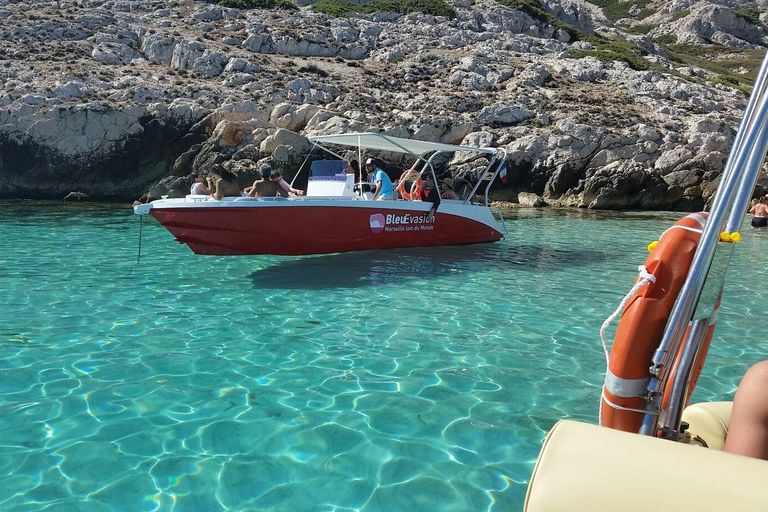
x=421, y=379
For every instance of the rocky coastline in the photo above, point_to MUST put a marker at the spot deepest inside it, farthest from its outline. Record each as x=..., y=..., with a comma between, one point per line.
x=111, y=100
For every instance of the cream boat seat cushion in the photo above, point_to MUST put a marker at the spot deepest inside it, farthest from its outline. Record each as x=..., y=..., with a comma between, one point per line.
x=710, y=422
x=586, y=468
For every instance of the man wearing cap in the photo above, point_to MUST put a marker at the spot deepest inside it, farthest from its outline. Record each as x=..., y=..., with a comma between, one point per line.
x=382, y=182
x=446, y=185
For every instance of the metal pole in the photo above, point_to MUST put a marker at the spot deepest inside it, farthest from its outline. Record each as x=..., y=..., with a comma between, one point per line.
x=498, y=167
x=746, y=186
x=682, y=376
x=482, y=175
x=696, y=334
x=731, y=183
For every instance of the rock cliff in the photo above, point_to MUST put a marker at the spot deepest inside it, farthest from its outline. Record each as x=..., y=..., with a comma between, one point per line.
x=632, y=105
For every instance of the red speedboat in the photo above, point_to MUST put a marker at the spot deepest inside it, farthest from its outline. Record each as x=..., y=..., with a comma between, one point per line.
x=335, y=215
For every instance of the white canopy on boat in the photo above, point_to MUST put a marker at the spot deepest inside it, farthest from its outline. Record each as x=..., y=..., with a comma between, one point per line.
x=384, y=142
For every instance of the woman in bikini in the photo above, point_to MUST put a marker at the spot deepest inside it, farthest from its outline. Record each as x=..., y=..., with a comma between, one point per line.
x=760, y=212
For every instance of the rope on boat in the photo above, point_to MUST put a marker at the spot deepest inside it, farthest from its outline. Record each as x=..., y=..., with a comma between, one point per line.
x=302, y=164
x=645, y=277
x=138, y=258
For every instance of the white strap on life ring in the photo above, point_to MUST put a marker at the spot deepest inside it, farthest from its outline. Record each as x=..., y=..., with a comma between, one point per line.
x=622, y=408
x=695, y=216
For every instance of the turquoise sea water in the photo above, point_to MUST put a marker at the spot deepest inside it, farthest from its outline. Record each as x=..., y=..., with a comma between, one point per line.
x=420, y=379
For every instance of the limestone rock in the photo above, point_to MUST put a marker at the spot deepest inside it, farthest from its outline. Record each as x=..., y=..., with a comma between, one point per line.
x=504, y=115
x=293, y=141
x=228, y=134
x=158, y=48
x=588, y=69
x=709, y=22
x=114, y=53
x=185, y=53
x=292, y=117
x=172, y=187
x=529, y=200
x=112, y=98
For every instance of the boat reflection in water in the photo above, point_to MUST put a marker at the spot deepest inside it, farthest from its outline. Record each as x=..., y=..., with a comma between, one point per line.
x=397, y=266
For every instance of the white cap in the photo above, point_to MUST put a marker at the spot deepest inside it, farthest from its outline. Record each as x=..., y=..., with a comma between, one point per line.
x=370, y=161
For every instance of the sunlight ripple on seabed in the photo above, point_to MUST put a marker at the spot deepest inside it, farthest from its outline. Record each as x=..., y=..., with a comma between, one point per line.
x=420, y=379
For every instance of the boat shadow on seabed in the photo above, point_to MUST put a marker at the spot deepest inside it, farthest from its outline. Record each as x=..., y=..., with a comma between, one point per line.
x=396, y=266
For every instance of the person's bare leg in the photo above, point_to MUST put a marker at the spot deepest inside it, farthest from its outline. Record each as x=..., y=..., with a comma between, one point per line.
x=748, y=431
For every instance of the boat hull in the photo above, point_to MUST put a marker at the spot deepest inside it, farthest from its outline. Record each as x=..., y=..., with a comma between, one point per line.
x=310, y=227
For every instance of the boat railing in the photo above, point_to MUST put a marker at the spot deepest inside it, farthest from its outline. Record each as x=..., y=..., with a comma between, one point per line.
x=695, y=308
x=249, y=199
x=489, y=175
x=197, y=198
x=501, y=218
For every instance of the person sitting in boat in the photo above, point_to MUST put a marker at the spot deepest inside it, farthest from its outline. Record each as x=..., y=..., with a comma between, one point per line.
x=284, y=189
x=225, y=183
x=264, y=187
x=353, y=168
x=447, y=189
x=760, y=212
x=384, y=189
x=429, y=193
x=199, y=186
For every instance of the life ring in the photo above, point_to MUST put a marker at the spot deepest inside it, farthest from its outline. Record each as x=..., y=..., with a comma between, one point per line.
x=642, y=325
x=415, y=192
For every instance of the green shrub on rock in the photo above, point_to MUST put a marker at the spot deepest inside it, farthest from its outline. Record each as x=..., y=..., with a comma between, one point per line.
x=633, y=60
x=617, y=9
x=750, y=15
x=535, y=10
x=258, y=4
x=604, y=49
x=433, y=7
x=343, y=8
x=313, y=68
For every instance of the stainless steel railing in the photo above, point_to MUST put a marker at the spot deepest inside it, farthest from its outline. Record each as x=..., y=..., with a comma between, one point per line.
x=693, y=307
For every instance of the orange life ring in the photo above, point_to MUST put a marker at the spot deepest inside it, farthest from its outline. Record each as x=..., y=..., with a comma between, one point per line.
x=415, y=192
x=642, y=325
